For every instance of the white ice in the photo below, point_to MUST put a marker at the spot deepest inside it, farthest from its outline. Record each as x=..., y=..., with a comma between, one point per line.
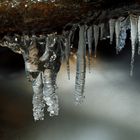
x=111, y=29
x=139, y=35
x=96, y=38
x=117, y=32
x=81, y=67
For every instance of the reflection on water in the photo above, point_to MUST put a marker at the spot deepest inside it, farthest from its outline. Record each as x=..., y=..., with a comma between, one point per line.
x=110, y=111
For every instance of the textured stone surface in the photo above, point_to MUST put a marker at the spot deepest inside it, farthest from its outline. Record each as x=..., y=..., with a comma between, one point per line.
x=49, y=17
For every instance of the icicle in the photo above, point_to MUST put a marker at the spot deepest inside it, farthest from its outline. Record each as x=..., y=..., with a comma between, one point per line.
x=102, y=26
x=111, y=29
x=38, y=102
x=81, y=67
x=106, y=31
x=52, y=58
x=67, y=59
x=49, y=95
x=66, y=42
x=72, y=34
x=117, y=32
x=134, y=37
x=86, y=35
x=96, y=38
x=90, y=41
x=122, y=39
x=125, y=25
x=11, y=44
x=139, y=35
x=31, y=58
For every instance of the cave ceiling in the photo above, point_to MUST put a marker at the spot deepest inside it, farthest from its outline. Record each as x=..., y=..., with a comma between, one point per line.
x=47, y=17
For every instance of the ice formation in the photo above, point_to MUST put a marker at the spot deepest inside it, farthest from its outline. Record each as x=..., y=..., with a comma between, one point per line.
x=68, y=39
x=90, y=42
x=124, y=26
x=139, y=35
x=41, y=70
x=111, y=29
x=134, y=38
x=96, y=38
x=102, y=31
x=44, y=53
x=81, y=66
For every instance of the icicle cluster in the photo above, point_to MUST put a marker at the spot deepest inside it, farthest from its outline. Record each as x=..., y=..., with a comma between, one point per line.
x=44, y=54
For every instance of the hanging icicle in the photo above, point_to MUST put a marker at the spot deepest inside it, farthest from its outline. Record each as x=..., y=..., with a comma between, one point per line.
x=31, y=57
x=38, y=102
x=96, y=38
x=81, y=67
x=139, y=35
x=111, y=29
x=67, y=53
x=90, y=41
x=51, y=59
x=106, y=31
x=43, y=55
x=68, y=42
x=102, y=31
x=134, y=37
x=117, y=32
x=125, y=25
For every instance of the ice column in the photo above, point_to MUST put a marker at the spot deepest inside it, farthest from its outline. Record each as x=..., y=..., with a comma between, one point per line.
x=134, y=37
x=68, y=35
x=96, y=38
x=125, y=25
x=38, y=102
x=49, y=74
x=81, y=67
x=139, y=35
x=102, y=26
